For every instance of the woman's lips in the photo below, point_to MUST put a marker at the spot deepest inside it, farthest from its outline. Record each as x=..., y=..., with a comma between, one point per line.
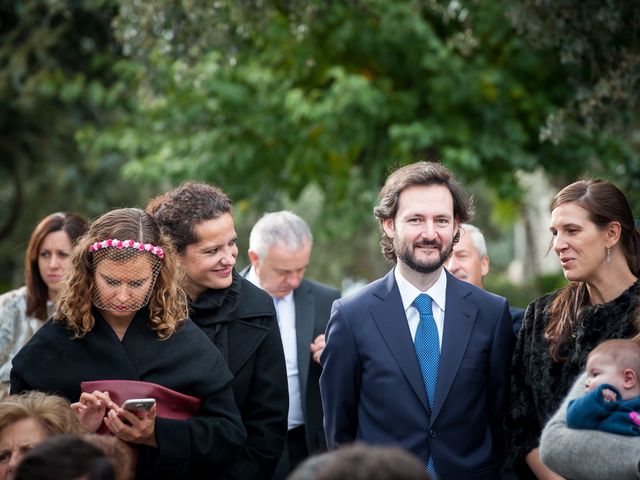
x=225, y=272
x=564, y=262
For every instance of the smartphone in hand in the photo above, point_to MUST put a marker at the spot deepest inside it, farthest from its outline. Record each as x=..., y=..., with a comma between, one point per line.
x=138, y=405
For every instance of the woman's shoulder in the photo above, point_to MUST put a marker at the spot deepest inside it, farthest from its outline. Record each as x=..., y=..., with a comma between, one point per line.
x=254, y=303
x=536, y=317
x=189, y=338
x=14, y=299
x=51, y=340
x=537, y=308
x=53, y=330
x=544, y=300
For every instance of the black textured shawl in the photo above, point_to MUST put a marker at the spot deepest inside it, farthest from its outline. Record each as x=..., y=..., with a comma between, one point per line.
x=538, y=384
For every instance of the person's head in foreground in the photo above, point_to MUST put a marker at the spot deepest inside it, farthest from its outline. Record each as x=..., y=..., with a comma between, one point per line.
x=28, y=419
x=362, y=462
x=66, y=457
x=122, y=455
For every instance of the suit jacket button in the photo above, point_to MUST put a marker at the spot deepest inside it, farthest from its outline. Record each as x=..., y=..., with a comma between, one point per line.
x=432, y=433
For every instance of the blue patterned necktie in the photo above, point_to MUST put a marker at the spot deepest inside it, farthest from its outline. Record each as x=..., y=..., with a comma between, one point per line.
x=427, y=345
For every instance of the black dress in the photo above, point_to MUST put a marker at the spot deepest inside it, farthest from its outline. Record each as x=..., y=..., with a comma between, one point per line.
x=201, y=447
x=241, y=321
x=538, y=384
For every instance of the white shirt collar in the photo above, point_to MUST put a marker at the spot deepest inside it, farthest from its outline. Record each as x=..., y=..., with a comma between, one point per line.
x=253, y=278
x=408, y=292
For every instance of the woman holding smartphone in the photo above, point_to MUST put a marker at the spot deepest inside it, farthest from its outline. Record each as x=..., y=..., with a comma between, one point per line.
x=122, y=317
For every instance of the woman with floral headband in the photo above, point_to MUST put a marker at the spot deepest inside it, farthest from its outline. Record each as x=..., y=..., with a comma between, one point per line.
x=121, y=322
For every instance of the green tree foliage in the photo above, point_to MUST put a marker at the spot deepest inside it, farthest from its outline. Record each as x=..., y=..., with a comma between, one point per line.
x=257, y=94
x=599, y=40
x=304, y=104
x=598, y=44
x=58, y=73
x=270, y=98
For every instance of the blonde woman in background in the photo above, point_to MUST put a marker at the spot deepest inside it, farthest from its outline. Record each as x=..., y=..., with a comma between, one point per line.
x=28, y=419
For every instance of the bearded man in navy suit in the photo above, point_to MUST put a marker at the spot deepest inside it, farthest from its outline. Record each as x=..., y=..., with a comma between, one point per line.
x=374, y=386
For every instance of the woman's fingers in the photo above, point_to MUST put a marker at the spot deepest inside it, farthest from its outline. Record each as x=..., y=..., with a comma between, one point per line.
x=132, y=428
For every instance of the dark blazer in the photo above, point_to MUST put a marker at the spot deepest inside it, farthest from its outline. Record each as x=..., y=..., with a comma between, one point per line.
x=313, y=308
x=372, y=387
x=517, y=315
x=241, y=322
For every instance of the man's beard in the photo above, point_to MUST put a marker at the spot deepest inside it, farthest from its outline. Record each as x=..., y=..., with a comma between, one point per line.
x=405, y=253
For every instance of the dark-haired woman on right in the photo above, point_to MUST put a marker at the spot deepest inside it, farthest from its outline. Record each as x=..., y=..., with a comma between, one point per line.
x=599, y=250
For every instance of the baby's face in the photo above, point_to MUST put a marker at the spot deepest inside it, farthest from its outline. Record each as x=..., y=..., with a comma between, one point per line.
x=602, y=369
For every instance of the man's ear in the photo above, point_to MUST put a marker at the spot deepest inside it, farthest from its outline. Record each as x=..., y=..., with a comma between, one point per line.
x=484, y=265
x=630, y=378
x=458, y=231
x=253, y=257
x=389, y=227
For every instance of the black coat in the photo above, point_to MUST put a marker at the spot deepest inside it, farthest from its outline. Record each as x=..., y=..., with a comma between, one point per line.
x=313, y=303
x=538, y=384
x=241, y=321
x=313, y=308
x=201, y=447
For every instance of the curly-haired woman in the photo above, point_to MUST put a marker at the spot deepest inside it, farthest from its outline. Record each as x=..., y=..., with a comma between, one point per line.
x=122, y=316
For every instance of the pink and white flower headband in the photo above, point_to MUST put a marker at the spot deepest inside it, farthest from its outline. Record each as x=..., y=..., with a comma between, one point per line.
x=112, y=242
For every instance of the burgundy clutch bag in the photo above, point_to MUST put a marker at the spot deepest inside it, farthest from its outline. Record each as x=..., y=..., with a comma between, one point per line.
x=169, y=403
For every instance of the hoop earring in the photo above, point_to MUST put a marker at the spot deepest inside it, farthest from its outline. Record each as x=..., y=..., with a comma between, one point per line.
x=608, y=255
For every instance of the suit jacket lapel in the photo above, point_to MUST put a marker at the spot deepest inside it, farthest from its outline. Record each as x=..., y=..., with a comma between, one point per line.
x=244, y=338
x=459, y=317
x=305, y=321
x=393, y=326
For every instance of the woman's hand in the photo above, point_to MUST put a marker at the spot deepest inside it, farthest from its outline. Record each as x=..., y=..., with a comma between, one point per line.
x=540, y=470
x=134, y=428
x=91, y=409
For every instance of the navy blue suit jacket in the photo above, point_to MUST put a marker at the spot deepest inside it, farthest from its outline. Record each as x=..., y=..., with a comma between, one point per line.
x=372, y=387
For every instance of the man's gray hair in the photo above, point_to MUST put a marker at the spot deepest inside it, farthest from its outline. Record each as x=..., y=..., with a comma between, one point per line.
x=477, y=237
x=284, y=228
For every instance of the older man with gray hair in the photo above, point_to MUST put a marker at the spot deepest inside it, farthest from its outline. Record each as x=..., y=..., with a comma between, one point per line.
x=279, y=250
x=470, y=262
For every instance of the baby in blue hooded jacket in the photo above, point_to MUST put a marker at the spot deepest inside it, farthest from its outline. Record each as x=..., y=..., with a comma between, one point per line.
x=612, y=399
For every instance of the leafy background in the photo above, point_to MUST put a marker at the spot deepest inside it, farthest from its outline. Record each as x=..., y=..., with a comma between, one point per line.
x=308, y=105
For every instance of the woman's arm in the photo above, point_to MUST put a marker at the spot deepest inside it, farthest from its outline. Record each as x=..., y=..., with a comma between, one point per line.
x=522, y=424
x=264, y=413
x=587, y=454
x=14, y=332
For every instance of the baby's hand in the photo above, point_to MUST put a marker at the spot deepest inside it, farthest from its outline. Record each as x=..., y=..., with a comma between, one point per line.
x=608, y=395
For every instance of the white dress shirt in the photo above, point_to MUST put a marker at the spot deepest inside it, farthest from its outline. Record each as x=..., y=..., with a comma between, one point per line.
x=286, y=310
x=438, y=294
